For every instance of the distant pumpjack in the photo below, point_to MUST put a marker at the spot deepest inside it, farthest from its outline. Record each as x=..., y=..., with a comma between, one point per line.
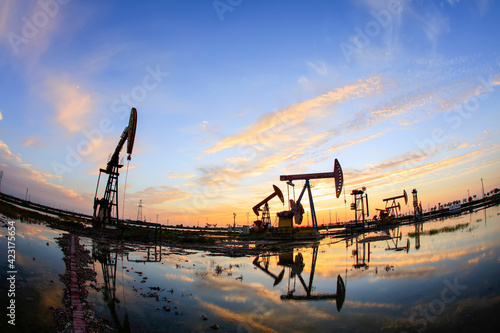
x=417, y=208
x=392, y=207
x=266, y=216
x=360, y=205
x=106, y=208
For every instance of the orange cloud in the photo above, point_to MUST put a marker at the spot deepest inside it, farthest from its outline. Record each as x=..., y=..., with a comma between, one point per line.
x=172, y=175
x=72, y=103
x=158, y=195
x=7, y=154
x=32, y=141
x=30, y=174
x=273, y=127
x=350, y=143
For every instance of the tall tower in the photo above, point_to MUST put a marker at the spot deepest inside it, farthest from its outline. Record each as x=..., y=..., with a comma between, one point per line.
x=139, y=211
x=416, y=209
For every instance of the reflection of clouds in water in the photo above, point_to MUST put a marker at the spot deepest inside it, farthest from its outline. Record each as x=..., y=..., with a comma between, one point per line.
x=260, y=302
x=36, y=232
x=22, y=260
x=330, y=264
x=243, y=319
x=235, y=299
x=178, y=277
x=477, y=259
x=51, y=296
x=358, y=304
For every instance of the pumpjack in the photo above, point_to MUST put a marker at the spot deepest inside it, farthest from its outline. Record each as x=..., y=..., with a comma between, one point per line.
x=106, y=209
x=296, y=212
x=360, y=206
x=390, y=213
x=265, y=222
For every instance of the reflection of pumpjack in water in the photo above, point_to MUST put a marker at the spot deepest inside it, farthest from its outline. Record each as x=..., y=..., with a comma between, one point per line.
x=108, y=259
x=296, y=266
x=152, y=256
x=396, y=237
x=419, y=227
x=362, y=251
x=277, y=278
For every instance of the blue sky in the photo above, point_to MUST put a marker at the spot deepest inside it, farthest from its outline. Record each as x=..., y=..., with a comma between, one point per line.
x=232, y=94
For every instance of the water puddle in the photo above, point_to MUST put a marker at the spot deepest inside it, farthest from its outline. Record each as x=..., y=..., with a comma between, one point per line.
x=423, y=277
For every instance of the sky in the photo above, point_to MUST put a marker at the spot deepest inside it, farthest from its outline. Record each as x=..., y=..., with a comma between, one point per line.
x=231, y=94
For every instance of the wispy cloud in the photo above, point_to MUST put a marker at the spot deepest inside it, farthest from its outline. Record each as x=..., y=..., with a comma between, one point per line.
x=158, y=195
x=4, y=12
x=319, y=67
x=38, y=181
x=413, y=166
x=26, y=39
x=33, y=141
x=72, y=103
x=7, y=154
x=275, y=127
x=353, y=142
x=172, y=175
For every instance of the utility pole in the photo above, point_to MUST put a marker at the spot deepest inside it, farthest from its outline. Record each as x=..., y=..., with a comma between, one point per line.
x=482, y=184
x=26, y=194
x=1, y=176
x=234, y=221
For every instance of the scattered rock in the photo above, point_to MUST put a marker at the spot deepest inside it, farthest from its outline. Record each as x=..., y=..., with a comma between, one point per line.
x=204, y=317
x=215, y=326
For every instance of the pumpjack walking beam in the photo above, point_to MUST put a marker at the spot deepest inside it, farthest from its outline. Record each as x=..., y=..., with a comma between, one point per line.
x=339, y=182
